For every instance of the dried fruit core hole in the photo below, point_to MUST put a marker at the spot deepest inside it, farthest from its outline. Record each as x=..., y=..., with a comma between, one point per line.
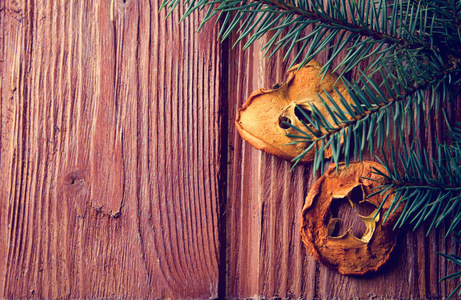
x=282, y=121
x=341, y=209
x=299, y=114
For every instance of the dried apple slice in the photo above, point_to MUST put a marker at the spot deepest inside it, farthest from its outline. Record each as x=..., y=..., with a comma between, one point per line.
x=347, y=253
x=262, y=119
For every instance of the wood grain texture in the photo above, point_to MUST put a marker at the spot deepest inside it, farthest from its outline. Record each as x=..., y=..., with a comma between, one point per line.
x=122, y=174
x=110, y=151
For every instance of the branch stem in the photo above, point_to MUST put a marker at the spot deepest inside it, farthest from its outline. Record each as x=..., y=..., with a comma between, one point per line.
x=313, y=15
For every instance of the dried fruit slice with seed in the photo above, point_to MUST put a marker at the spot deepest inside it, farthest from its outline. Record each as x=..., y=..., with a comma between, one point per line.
x=347, y=253
x=262, y=121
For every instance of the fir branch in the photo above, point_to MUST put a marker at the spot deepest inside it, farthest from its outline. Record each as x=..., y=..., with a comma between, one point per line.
x=370, y=112
x=426, y=195
x=362, y=29
x=456, y=259
x=317, y=13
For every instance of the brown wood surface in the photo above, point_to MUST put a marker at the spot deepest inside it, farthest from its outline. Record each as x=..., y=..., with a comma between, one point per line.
x=122, y=175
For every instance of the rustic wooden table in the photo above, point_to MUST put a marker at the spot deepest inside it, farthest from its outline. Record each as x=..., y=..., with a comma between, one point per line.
x=122, y=175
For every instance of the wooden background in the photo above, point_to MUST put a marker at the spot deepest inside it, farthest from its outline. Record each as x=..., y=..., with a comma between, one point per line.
x=122, y=175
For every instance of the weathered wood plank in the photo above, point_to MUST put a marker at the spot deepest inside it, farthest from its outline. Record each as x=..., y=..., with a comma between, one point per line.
x=265, y=199
x=266, y=257
x=109, y=153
